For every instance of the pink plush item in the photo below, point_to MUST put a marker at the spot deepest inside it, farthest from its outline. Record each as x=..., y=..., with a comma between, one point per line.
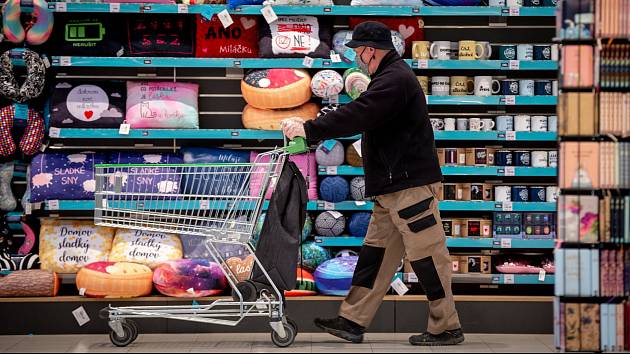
x=305, y=162
x=162, y=105
x=517, y=268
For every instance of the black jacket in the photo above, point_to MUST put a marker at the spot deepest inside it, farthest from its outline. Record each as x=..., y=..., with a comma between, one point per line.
x=398, y=146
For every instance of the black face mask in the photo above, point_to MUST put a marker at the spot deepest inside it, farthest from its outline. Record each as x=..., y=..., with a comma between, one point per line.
x=365, y=67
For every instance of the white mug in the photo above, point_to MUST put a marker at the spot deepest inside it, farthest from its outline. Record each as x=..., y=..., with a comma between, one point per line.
x=488, y=124
x=483, y=86
x=522, y=123
x=450, y=124
x=462, y=124
x=487, y=50
x=553, y=158
x=525, y=52
x=441, y=50
x=552, y=123
x=540, y=124
x=502, y=194
x=497, y=3
x=555, y=88
x=440, y=85
x=476, y=124
x=527, y=88
x=552, y=194
x=514, y=3
x=540, y=159
x=555, y=52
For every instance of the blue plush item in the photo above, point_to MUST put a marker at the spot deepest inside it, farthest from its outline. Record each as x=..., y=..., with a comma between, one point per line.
x=334, y=189
x=358, y=225
x=149, y=179
x=59, y=176
x=194, y=248
x=311, y=255
x=235, y=3
x=217, y=184
x=334, y=277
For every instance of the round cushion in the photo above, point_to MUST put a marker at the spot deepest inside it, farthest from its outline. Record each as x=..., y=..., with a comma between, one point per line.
x=334, y=277
x=332, y=157
x=327, y=83
x=327, y=109
x=358, y=224
x=339, y=42
x=145, y=247
x=356, y=82
x=311, y=255
x=357, y=188
x=277, y=88
x=189, y=278
x=266, y=119
x=305, y=285
x=352, y=157
x=115, y=280
x=330, y=223
x=242, y=268
x=334, y=189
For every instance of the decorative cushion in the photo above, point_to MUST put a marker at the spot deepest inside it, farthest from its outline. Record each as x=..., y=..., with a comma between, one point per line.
x=59, y=176
x=65, y=245
x=87, y=34
x=358, y=224
x=144, y=247
x=327, y=156
x=210, y=183
x=334, y=189
x=334, y=277
x=114, y=280
x=162, y=105
x=296, y=36
x=240, y=40
x=161, y=35
x=242, y=268
x=29, y=283
x=93, y=105
x=277, y=88
x=194, y=247
x=356, y=82
x=311, y=255
x=352, y=157
x=189, y=278
x=327, y=83
x=266, y=119
x=305, y=285
x=340, y=39
x=305, y=162
x=330, y=224
x=411, y=28
x=151, y=178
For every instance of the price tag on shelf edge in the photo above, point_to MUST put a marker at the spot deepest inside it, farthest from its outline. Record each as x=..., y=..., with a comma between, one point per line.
x=399, y=287
x=61, y=7
x=54, y=132
x=506, y=243
x=204, y=204
x=510, y=100
x=423, y=64
x=357, y=147
x=360, y=203
x=81, y=316
x=65, y=61
x=308, y=62
x=515, y=11
x=125, y=129
x=52, y=205
x=507, y=206
x=331, y=170
x=510, y=171
x=269, y=14
x=510, y=136
x=508, y=279
x=542, y=275
x=515, y=65
x=182, y=8
x=114, y=7
x=334, y=57
x=225, y=18
x=328, y=206
x=333, y=99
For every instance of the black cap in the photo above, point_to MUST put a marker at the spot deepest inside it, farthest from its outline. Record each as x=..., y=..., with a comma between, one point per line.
x=372, y=34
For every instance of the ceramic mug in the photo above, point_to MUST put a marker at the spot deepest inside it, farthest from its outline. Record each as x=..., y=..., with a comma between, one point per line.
x=497, y=3
x=424, y=83
x=525, y=52
x=488, y=124
x=470, y=50
x=440, y=152
x=483, y=86
x=532, y=3
x=440, y=50
x=537, y=194
x=514, y=3
x=522, y=123
x=476, y=124
x=505, y=123
x=462, y=124
x=543, y=88
x=508, y=52
x=552, y=194
x=502, y=194
x=450, y=124
x=486, y=52
x=421, y=50
x=437, y=124
x=540, y=159
x=440, y=86
x=526, y=88
x=555, y=52
x=552, y=123
x=540, y=124
x=553, y=158
x=462, y=86
x=542, y=52
x=523, y=158
x=504, y=158
x=520, y=194
x=505, y=87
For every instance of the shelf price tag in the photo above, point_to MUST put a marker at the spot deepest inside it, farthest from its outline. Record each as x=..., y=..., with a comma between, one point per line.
x=65, y=61
x=52, y=205
x=423, y=64
x=28, y=210
x=114, y=7
x=225, y=18
x=204, y=204
x=333, y=99
x=336, y=58
x=507, y=206
x=542, y=275
x=510, y=136
x=61, y=7
x=125, y=129
x=510, y=100
x=515, y=11
x=360, y=203
x=357, y=147
x=328, y=206
x=331, y=170
x=308, y=62
x=508, y=279
x=400, y=287
x=510, y=171
x=515, y=65
x=81, y=316
x=182, y=8
x=506, y=243
x=412, y=278
x=269, y=14
x=54, y=132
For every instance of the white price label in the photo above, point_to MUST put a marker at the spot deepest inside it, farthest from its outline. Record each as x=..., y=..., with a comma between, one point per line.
x=360, y=203
x=82, y=291
x=508, y=279
x=515, y=65
x=336, y=58
x=54, y=132
x=506, y=243
x=125, y=129
x=65, y=61
x=225, y=18
x=46, y=62
x=114, y=7
x=81, y=316
x=182, y=8
x=510, y=100
x=399, y=287
x=28, y=209
x=61, y=7
x=329, y=206
x=507, y=206
x=510, y=136
x=333, y=99
x=204, y=204
x=542, y=275
x=52, y=205
x=104, y=203
x=331, y=170
x=357, y=147
x=308, y=62
x=515, y=11
x=36, y=206
x=423, y=64
x=510, y=171
x=269, y=14
x=412, y=278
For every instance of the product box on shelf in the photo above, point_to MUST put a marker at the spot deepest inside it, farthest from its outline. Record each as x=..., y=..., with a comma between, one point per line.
x=539, y=226
x=508, y=225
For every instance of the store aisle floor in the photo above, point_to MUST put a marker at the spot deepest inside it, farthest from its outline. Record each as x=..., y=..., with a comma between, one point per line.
x=257, y=343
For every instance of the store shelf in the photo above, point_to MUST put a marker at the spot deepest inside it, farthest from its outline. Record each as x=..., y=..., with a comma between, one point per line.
x=503, y=279
x=258, y=63
x=338, y=10
x=479, y=243
x=481, y=101
x=456, y=171
x=247, y=134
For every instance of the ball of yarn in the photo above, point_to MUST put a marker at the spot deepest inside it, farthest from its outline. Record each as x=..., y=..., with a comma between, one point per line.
x=330, y=224
x=334, y=156
x=327, y=83
x=312, y=255
x=358, y=225
x=357, y=188
x=352, y=157
x=356, y=82
x=327, y=109
x=334, y=189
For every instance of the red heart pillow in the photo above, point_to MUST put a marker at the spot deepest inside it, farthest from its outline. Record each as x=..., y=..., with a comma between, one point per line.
x=240, y=40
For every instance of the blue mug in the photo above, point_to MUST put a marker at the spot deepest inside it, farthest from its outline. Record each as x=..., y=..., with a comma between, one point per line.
x=520, y=194
x=508, y=52
x=538, y=194
x=505, y=123
x=523, y=158
x=504, y=158
x=543, y=88
x=505, y=87
x=542, y=52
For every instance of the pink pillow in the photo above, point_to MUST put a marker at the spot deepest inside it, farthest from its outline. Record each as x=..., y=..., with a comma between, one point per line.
x=162, y=105
x=305, y=162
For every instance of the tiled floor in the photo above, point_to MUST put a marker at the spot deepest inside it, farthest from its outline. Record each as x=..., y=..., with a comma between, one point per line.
x=260, y=343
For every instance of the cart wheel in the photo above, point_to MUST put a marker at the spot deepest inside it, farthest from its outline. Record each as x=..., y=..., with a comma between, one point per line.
x=130, y=334
x=291, y=333
x=248, y=290
x=133, y=325
x=294, y=324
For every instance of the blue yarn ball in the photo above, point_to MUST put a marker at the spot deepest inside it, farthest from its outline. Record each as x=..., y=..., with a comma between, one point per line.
x=358, y=225
x=334, y=189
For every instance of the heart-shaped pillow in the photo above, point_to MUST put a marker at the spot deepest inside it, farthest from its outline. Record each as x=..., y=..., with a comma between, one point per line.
x=242, y=268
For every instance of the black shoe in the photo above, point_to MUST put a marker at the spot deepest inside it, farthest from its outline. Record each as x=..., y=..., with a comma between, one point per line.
x=342, y=328
x=453, y=337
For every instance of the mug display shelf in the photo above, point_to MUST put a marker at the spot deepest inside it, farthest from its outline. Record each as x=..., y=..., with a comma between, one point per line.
x=452, y=242
x=479, y=100
x=497, y=171
x=336, y=10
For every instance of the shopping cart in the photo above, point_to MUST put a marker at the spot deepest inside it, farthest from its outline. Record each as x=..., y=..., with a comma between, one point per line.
x=209, y=200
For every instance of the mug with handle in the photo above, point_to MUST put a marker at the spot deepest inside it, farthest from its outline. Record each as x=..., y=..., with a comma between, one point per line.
x=440, y=85
x=485, y=50
x=476, y=124
x=440, y=50
x=505, y=87
x=421, y=50
x=483, y=86
x=470, y=50
x=462, y=86
x=488, y=124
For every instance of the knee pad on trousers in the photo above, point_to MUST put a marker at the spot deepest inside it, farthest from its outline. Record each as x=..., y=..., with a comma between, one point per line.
x=368, y=266
x=429, y=278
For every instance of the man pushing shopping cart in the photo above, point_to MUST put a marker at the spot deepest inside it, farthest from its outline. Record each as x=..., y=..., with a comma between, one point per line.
x=403, y=172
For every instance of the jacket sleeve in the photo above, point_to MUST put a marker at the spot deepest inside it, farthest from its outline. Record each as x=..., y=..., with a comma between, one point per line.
x=382, y=101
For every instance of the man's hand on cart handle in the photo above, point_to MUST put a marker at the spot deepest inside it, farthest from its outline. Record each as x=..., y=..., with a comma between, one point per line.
x=293, y=127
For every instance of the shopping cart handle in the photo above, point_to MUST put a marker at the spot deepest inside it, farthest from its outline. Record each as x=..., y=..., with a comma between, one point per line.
x=297, y=146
